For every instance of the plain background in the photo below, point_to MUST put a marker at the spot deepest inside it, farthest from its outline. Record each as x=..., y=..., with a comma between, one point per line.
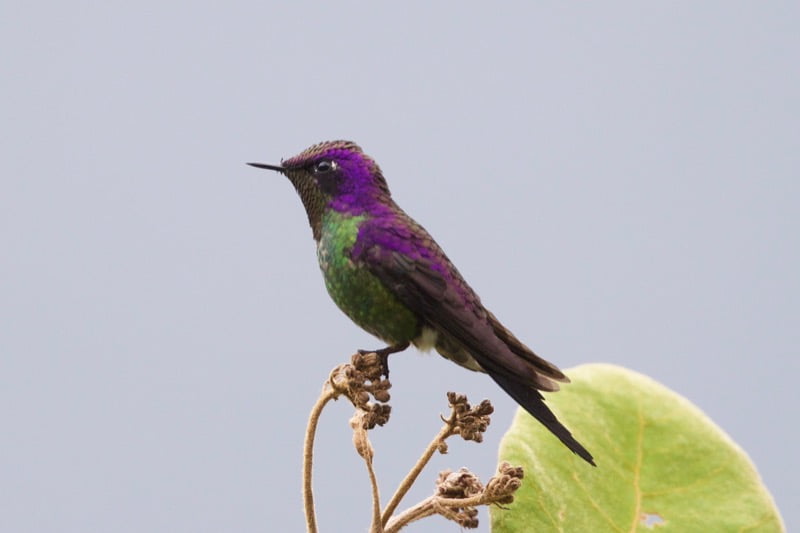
x=619, y=182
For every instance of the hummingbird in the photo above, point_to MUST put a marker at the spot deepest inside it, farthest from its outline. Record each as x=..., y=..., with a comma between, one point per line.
x=386, y=273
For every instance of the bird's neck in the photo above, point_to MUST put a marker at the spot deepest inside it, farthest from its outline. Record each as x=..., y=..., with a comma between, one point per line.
x=360, y=205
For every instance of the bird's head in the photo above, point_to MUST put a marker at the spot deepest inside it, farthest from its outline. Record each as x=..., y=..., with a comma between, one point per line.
x=334, y=175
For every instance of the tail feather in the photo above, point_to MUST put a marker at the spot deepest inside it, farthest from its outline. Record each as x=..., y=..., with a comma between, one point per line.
x=533, y=402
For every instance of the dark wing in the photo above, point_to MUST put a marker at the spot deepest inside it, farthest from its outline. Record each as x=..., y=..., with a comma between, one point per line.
x=415, y=269
x=515, y=345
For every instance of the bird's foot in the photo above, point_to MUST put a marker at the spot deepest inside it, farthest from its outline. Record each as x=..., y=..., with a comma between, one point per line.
x=384, y=353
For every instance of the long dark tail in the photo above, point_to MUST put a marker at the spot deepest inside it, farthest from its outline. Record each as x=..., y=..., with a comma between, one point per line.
x=533, y=402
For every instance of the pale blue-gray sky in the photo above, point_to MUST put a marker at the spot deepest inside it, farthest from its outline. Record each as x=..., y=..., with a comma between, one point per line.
x=619, y=182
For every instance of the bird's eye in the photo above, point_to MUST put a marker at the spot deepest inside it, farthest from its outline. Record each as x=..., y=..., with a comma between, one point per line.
x=324, y=166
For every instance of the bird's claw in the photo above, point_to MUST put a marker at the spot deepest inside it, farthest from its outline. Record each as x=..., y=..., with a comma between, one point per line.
x=383, y=354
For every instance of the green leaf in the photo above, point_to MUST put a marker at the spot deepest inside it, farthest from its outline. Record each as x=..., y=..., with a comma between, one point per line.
x=661, y=464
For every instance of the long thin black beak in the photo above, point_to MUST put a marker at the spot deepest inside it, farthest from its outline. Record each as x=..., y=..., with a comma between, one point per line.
x=277, y=168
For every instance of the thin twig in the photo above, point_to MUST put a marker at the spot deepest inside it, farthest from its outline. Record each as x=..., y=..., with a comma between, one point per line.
x=458, y=494
x=326, y=395
x=405, y=485
x=377, y=526
x=430, y=506
x=367, y=452
x=423, y=509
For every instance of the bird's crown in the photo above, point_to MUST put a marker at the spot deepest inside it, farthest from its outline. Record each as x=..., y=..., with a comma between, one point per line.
x=342, y=164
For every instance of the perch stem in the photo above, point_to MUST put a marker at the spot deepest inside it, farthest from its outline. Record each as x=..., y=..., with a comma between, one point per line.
x=409, y=480
x=377, y=525
x=308, y=456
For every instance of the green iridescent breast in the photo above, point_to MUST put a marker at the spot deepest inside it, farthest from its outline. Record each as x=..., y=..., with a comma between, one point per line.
x=354, y=289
